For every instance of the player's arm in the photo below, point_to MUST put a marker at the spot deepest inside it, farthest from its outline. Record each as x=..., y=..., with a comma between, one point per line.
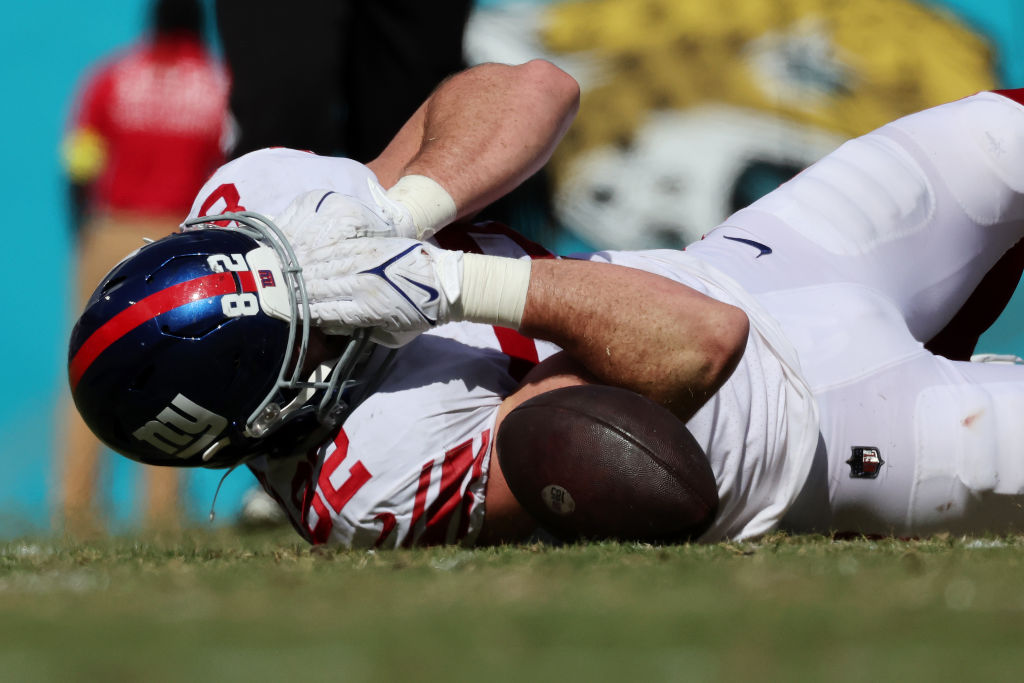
x=84, y=148
x=479, y=135
x=627, y=327
x=636, y=330
x=619, y=326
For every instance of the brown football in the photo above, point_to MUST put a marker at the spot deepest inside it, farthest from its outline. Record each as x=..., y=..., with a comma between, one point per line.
x=601, y=462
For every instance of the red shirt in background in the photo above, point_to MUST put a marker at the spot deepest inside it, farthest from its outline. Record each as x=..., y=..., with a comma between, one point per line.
x=159, y=116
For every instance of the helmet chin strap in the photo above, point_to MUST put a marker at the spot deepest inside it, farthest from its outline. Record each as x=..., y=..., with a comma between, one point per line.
x=216, y=492
x=213, y=503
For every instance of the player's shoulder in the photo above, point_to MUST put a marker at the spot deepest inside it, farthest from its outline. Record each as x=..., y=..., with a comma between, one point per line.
x=267, y=180
x=419, y=442
x=444, y=384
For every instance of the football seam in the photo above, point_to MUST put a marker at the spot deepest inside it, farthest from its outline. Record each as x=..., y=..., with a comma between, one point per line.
x=685, y=485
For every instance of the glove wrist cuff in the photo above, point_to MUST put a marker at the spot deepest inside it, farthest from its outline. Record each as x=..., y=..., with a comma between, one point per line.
x=429, y=204
x=493, y=290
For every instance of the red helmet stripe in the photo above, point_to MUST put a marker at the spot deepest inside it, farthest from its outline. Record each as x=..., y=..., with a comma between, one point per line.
x=153, y=305
x=247, y=280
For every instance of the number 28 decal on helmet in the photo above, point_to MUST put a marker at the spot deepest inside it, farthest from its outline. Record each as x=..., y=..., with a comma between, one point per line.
x=191, y=351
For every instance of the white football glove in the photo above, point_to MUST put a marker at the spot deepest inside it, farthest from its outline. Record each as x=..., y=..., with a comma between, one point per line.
x=321, y=218
x=395, y=212
x=398, y=286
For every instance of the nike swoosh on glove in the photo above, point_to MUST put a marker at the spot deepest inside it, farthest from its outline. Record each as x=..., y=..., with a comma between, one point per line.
x=318, y=219
x=397, y=286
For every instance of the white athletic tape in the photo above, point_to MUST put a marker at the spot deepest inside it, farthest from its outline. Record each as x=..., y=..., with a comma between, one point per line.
x=430, y=204
x=493, y=290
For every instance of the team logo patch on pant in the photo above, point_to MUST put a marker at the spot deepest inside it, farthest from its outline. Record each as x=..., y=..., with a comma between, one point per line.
x=865, y=463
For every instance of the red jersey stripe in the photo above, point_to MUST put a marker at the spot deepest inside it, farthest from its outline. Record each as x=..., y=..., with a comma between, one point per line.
x=153, y=305
x=1016, y=94
x=522, y=350
x=419, y=504
x=516, y=345
x=478, y=470
x=457, y=462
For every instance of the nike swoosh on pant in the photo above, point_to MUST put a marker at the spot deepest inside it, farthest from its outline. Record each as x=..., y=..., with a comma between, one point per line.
x=763, y=248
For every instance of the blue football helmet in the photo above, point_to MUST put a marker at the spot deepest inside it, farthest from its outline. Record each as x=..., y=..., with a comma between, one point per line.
x=192, y=351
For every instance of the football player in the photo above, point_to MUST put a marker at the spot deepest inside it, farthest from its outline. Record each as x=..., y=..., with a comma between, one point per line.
x=344, y=331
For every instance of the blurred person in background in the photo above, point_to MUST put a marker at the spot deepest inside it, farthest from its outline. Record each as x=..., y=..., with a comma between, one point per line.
x=339, y=77
x=335, y=76
x=148, y=127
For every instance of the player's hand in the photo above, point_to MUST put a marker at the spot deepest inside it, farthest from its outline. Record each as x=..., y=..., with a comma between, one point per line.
x=319, y=219
x=396, y=213
x=397, y=286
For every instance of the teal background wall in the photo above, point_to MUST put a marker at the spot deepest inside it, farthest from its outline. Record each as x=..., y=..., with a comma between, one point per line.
x=44, y=47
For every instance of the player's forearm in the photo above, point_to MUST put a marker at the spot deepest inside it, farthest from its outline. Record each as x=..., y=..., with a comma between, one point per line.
x=628, y=327
x=637, y=330
x=484, y=131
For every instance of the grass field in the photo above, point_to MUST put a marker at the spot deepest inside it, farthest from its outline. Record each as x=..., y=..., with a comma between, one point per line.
x=227, y=606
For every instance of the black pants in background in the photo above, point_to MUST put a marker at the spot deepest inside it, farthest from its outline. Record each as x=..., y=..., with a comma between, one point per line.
x=335, y=77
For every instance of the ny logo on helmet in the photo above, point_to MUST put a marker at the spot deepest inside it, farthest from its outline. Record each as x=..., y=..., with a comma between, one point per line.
x=182, y=429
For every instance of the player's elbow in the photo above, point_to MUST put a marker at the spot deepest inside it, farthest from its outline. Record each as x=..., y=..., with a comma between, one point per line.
x=726, y=339
x=561, y=90
x=704, y=360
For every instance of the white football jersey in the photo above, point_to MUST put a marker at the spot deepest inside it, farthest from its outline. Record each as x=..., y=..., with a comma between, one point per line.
x=410, y=465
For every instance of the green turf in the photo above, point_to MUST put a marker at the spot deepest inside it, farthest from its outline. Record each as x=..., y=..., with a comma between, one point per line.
x=217, y=606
